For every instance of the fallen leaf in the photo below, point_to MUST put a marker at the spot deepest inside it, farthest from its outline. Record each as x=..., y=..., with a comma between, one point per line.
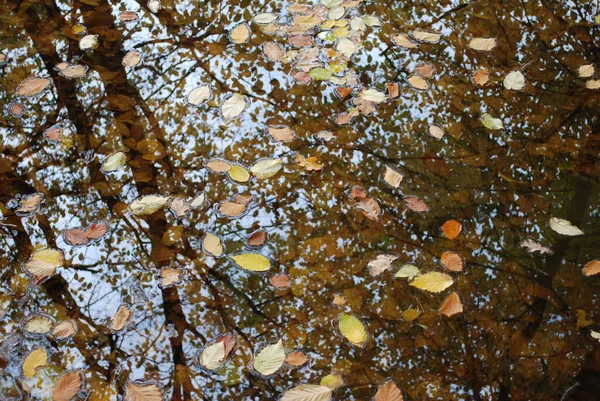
x=408, y=271
x=515, y=80
x=265, y=18
x=415, y=203
x=358, y=192
x=64, y=330
x=280, y=281
x=36, y=358
x=269, y=359
x=67, y=386
x=96, y=230
x=148, y=204
x=389, y=391
x=180, y=207
x=452, y=261
x=332, y=381
x=128, y=16
x=451, y=306
x=135, y=391
x=212, y=356
x=343, y=91
x=75, y=236
x=73, y=71
x=339, y=299
x=238, y=174
x=113, y=162
x=381, y=263
x=425, y=37
x=490, y=122
x=425, y=70
x=411, y=314
x=593, y=84
x=121, y=318
x=370, y=208
x=586, y=70
x=392, y=176
x=252, y=261
x=240, y=34
x=533, y=246
x=307, y=392
x=433, y=282
x=436, y=131
x=296, y=358
x=211, y=244
x=38, y=324
x=218, y=165
x=54, y=133
x=309, y=163
x=591, y=268
x=564, y=227
x=230, y=343
x=281, y=133
x=32, y=86
x=266, y=168
x=452, y=229
x=482, y=44
x=88, y=42
x=257, y=238
x=301, y=41
x=16, y=109
x=273, y=51
x=132, y=58
x=233, y=107
x=481, y=77
x=404, y=40
x=170, y=276
x=199, y=95
x=418, y=82
x=232, y=209
x=353, y=329
x=393, y=90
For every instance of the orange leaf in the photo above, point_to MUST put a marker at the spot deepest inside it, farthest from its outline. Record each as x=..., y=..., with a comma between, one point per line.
x=67, y=386
x=280, y=280
x=451, y=229
x=389, y=392
x=452, y=261
x=592, y=268
x=296, y=358
x=257, y=238
x=451, y=306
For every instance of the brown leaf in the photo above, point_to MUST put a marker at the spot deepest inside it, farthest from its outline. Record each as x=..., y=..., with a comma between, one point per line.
x=309, y=163
x=481, y=77
x=358, y=192
x=229, y=342
x=67, y=386
x=301, y=41
x=54, y=133
x=389, y=391
x=392, y=176
x=273, y=51
x=231, y=209
x=452, y=229
x=303, y=78
x=128, y=16
x=75, y=236
x=142, y=392
x=30, y=203
x=415, y=203
x=257, y=238
x=281, y=133
x=452, y=261
x=370, y=208
x=451, y=306
x=592, y=268
x=96, y=230
x=296, y=358
x=218, y=165
x=64, y=329
x=121, y=318
x=180, y=207
x=280, y=281
x=425, y=70
x=393, y=90
x=343, y=91
x=343, y=119
x=32, y=86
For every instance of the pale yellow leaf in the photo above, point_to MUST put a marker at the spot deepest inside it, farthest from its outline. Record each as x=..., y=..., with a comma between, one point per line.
x=392, y=176
x=252, y=261
x=269, y=359
x=148, y=204
x=113, y=162
x=32, y=86
x=121, y=318
x=308, y=392
x=238, y=174
x=266, y=168
x=418, y=82
x=212, y=245
x=482, y=44
x=240, y=34
x=564, y=227
x=213, y=355
x=233, y=107
x=199, y=95
x=433, y=282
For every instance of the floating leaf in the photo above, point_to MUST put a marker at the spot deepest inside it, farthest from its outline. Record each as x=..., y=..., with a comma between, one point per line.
x=266, y=168
x=240, y=34
x=257, y=238
x=426, y=37
x=332, y=381
x=148, y=204
x=564, y=227
x=392, y=176
x=415, y=203
x=73, y=71
x=408, y=271
x=451, y=306
x=309, y=163
x=252, y=261
x=320, y=74
x=353, y=329
x=269, y=359
x=67, y=386
x=198, y=200
x=180, y=207
x=212, y=245
x=154, y=6
x=38, y=324
x=404, y=40
x=418, y=82
x=128, y=16
x=370, y=208
x=16, y=109
x=29, y=204
x=436, y=131
x=233, y=107
x=452, y=261
x=132, y=58
x=452, y=229
x=32, y=86
x=64, y=330
x=280, y=281
x=339, y=299
x=170, y=276
x=218, y=165
x=238, y=174
x=490, y=122
x=273, y=51
x=533, y=246
x=425, y=70
x=212, y=356
x=36, y=358
x=433, y=282
x=307, y=392
x=199, y=95
x=121, y=318
x=393, y=90
x=482, y=44
x=481, y=77
x=281, y=133
x=389, y=391
x=515, y=80
x=380, y=264
x=113, y=162
x=346, y=47
x=593, y=84
x=88, y=42
x=83, y=236
x=296, y=358
x=54, y=133
x=591, y=268
x=142, y=392
x=232, y=209
x=411, y=314
x=44, y=263
x=265, y=18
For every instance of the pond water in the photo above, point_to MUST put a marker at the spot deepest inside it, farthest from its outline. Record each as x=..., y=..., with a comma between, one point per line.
x=348, y=200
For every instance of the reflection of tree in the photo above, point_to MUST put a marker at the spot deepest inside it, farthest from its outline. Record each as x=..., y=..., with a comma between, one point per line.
x=519, y=327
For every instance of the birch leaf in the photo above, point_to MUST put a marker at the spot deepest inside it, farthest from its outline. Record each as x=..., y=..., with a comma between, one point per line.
x=252, y=261
x=266, y=168
x=212, y=356
x=433, y=282
x=233, y=107
x=36, y=358
x=308, y=392
x=564, y=227
x=64, y=330
x=353, y=329
x=38, y=324
x=269, y=359
x=332, y=381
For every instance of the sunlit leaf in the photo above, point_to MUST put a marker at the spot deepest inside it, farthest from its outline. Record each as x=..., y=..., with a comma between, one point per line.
x=418, y=82
x=142, y=392
x=353, y=329
x=408, y=271
x=281, y=133
x=170, y=276
x=88, y=42
x=381, y=263
x=238, y=173
x=212, y=356
x=280, y=281
x=592, y=268
x=121, y=318
x=452, y=261
x=265, y=18
x=36, y=358
x=32, y=86
x=415, y=203
x=232, y=209
x=433, y=282
x=296, y=358
x=212, y=245
x=515, y=80
x=320, y=74
x=389, y=391
x=452, y=229
x=392, y=176
x=482, y=44
x=266, y=168
x=64, y=330
x=199, y=95
x=425, y=37
x=113, y=162
x=490, y=122
x=332, y=381
x=148, y=204
x=451, y=305
x=308, y=392
x=38, y=324
x=564, y=227
x=233, y=107
x=269, y=359
x=67, y=386
x=309, y=163
x=240, y=34
x=252, y=261
x=404, y=40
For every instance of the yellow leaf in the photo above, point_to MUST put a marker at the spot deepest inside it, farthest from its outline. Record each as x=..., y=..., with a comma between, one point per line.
x=332, y=381
x=52, y=256
x=233, y=107
x=238, y=174
x=411, y=314
x=240, y=34
x=433, y=282
x=39, y=324
x=418, y=82
x=270, y=359
x=353, y=329
x=213, y=355
x=266, y=168
x=34, y=360
x=113, y=162
x=212, y=245
x=148, y=204
x=252, y=261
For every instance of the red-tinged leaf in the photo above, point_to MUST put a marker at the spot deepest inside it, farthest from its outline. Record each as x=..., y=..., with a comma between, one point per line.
x=389, y=391
x=301, y=41
x=75, y=236
x=393, y=90
x=229, y=341
x=370, y=208
x=415, y=203
x=296, y=358
x=280, y=281
x=343, y=91
x=452, y=261
x=96, y=230
x=257, y=238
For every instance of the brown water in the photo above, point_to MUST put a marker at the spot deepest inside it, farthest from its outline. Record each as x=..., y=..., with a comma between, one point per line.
x=528, y=322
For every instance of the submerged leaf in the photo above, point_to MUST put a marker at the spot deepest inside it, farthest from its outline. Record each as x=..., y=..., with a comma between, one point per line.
x=381, y=263
x=296, y=358
x=591, y=268
x=408, y=271
x=238, y=174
